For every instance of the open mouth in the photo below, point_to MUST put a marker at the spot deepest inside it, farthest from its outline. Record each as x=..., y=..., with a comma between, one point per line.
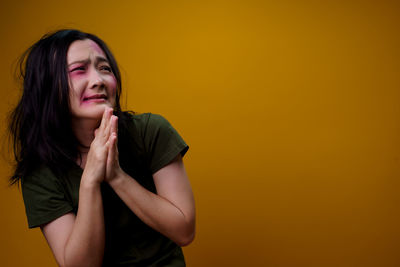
x=96, y=97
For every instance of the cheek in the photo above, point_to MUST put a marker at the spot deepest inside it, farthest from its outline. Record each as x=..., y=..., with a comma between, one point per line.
x=74, y=92
x=112, y=85
x=74, y=79
x=73, y=76
x=73, y=98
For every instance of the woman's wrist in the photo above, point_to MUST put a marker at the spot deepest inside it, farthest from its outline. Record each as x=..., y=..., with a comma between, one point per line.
x=118, y=179
x=89, y=183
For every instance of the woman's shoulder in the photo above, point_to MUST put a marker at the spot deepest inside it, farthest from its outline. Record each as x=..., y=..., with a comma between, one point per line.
x=145, y=122
x=44, y=175
x=45, y=196
x=41, y=173
x=145, y=118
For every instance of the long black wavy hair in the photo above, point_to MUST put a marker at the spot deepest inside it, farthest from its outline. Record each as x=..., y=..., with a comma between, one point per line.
x=40, y=124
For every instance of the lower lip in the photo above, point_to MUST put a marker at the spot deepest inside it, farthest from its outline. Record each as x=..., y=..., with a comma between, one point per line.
x=95, y=100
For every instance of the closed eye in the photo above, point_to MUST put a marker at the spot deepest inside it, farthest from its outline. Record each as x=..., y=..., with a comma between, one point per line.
x=105, y=68
x=80, y=68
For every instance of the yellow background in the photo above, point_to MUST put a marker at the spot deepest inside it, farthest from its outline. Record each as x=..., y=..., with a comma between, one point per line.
x=291, y=110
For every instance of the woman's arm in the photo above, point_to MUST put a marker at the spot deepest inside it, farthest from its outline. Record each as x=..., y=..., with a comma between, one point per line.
x=79, y=240
x=171, y=211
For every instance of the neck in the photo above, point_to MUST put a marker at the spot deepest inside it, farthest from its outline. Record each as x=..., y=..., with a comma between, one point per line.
x=84, y=131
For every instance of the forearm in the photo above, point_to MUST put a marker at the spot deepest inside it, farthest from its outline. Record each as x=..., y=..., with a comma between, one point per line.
x=85, y=246
x=154, y=210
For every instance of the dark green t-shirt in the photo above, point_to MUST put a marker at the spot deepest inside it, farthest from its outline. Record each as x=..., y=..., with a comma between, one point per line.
x=146, y=144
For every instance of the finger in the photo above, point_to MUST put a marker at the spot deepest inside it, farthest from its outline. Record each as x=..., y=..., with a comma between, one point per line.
x=108, y=126
x=114, y=125
x=107, y=118
x=103, y=120
x=112, y=148
x=105, y=124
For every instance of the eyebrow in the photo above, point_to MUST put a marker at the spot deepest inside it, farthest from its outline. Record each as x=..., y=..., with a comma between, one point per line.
x=98, y=60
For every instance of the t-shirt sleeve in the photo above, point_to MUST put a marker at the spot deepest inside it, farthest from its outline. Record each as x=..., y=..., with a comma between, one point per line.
x=44, y=198
x=162, y=142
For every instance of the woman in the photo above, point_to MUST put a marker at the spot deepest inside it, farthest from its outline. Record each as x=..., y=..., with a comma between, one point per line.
x=106, y=187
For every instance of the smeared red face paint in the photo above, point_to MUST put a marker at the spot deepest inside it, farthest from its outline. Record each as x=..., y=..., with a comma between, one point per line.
x=92, y=82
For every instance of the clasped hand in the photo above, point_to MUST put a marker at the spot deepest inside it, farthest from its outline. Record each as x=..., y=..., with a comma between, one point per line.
x=102, y=162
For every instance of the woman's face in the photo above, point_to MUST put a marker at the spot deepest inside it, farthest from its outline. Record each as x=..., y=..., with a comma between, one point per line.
x=92, y=84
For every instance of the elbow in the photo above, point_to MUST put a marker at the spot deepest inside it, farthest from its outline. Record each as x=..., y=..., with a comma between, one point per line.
x=187, y=240
x=80, y=261
x=186, y=237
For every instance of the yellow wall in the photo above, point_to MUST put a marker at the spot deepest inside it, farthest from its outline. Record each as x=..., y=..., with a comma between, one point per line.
x=291, y=109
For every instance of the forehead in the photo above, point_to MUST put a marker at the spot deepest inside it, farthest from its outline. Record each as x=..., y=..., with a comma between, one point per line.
x=83, y=49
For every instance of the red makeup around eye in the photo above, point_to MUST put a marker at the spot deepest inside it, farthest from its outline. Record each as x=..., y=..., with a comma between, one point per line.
x=77, y=71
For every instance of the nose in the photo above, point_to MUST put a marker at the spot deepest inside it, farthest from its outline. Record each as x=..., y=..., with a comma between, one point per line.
x=95, y=79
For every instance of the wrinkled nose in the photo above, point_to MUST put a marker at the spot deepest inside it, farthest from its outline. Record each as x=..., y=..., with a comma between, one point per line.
x=95, y=79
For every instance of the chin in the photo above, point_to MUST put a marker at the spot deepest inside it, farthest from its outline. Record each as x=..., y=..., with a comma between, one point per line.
x=91, y=113
x=99, y=110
